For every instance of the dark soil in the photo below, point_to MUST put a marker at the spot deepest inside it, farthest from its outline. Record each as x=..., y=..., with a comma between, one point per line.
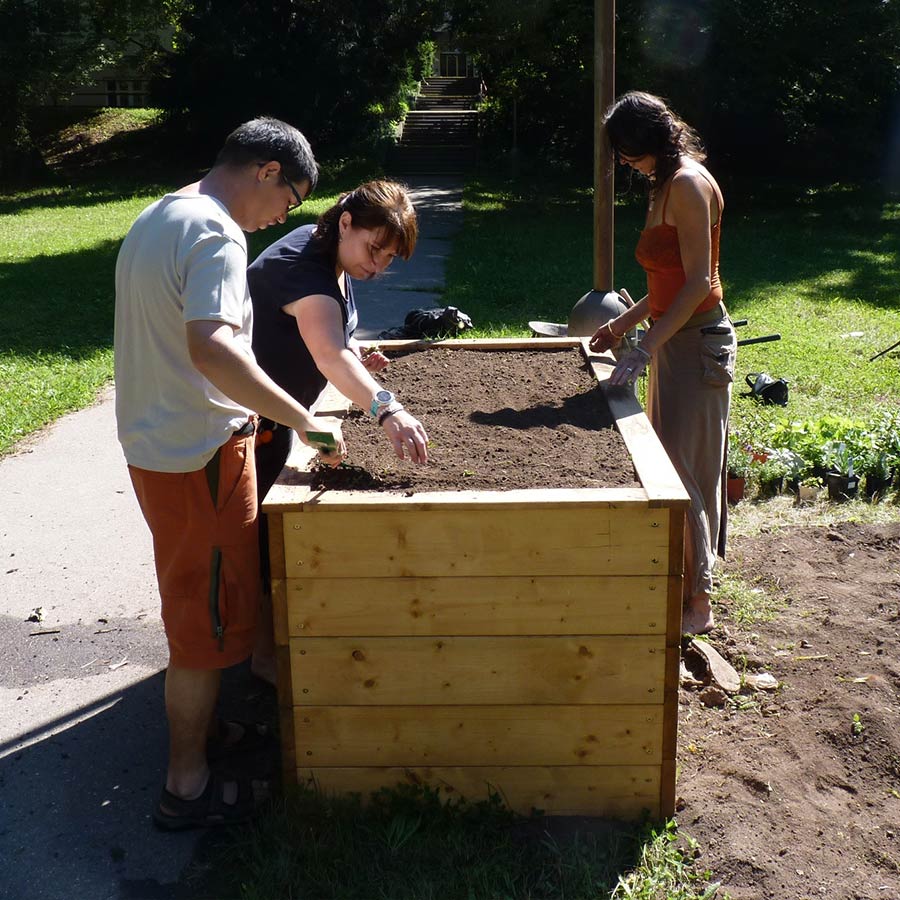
x=496, y=420
x=791, y=796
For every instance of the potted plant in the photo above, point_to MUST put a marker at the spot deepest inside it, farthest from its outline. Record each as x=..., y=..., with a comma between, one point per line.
x=840, y=471
x=738, y=470
x=770, y=476
x=808, y=488
x=875, y=467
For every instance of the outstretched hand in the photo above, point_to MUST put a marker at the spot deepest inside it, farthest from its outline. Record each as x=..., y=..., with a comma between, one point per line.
x=629, y=368
x=407, y=436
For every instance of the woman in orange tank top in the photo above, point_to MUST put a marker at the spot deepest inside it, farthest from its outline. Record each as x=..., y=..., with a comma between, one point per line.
x=690, y=348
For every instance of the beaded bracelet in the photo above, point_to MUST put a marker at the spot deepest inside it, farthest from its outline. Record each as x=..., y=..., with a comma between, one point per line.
x=389, y=411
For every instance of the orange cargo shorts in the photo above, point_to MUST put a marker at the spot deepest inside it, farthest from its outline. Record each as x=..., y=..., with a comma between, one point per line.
x=205, y=544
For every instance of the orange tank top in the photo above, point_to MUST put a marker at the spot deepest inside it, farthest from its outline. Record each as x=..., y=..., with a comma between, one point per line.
x=659, y=255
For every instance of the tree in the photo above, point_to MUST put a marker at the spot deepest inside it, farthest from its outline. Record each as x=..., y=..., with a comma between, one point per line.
x=795, y=86
x=334, y=70
x=50, y=46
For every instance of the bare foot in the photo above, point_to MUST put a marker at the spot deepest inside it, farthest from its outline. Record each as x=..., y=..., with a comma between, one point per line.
x=697, y=617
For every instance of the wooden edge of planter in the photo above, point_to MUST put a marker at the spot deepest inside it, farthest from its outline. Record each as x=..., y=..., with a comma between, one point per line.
x=288, y=494
x=481, y=344
x=281, y=634
x=651, y=462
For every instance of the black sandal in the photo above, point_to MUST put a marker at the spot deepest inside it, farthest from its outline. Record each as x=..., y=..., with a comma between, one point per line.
x=209, y=809
x=257, y=736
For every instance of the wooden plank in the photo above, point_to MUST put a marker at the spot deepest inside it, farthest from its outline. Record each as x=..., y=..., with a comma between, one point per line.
x=478, y=735
x=452, y=542
x=286, y=715
x=514, y=343
x=293, y=491
x=330, y=403
x=667, y=789
x=277, y=579
x=320, y=607
x=622, y=792
x=474, y=670
x=651, y=462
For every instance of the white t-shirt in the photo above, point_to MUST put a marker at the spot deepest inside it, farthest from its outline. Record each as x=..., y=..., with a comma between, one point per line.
x=183, y=260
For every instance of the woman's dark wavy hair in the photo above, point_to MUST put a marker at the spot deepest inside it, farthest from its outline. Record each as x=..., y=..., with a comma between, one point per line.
x=382, y=206
x=640, y=124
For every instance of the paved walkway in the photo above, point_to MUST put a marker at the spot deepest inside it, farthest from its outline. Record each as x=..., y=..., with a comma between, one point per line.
x=82, y=730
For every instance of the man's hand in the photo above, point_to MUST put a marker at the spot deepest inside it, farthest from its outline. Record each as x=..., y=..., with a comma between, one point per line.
x=407, y=436
x=326, y=455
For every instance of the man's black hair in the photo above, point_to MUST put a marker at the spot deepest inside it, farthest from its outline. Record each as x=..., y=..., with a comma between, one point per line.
x=264, y=139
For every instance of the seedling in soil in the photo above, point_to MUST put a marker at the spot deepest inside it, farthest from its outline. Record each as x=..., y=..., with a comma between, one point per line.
x=857, y=727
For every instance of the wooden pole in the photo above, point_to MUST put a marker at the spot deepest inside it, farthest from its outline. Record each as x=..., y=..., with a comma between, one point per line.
x=604, y=95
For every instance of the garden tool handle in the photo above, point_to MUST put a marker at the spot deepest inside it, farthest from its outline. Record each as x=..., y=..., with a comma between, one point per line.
x=759, y=340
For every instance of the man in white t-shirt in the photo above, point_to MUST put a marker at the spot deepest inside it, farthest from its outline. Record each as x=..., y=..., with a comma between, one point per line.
x=187, y=393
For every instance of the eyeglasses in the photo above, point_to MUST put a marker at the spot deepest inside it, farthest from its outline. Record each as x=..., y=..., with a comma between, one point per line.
x=294, y=191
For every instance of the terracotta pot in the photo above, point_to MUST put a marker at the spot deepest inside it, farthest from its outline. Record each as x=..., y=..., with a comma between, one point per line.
x=734, y=489
x=842, y=487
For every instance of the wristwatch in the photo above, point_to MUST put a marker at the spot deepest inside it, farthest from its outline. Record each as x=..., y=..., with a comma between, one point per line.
x=381, y=399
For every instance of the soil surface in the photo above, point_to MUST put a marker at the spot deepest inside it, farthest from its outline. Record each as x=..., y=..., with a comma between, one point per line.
x=496, y=420
x=796, y=793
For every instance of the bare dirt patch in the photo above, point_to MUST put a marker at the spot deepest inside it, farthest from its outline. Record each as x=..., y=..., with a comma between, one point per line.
x=797, y=795
x=496, y=420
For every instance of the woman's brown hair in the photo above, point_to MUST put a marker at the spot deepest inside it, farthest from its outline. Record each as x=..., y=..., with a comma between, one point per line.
x=382, y=206
x=641, y=124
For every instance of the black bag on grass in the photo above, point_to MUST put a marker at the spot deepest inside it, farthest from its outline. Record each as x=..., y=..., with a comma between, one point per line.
x=767, y=389
x=429, y=323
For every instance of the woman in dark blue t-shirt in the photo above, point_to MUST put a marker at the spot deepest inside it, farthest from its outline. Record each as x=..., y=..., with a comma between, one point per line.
x=304, y=316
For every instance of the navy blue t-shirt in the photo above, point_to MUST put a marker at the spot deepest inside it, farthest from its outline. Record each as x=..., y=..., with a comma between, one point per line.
x=291, y=268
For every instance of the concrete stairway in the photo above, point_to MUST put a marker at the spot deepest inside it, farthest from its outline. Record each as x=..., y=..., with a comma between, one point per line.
x=440, y=133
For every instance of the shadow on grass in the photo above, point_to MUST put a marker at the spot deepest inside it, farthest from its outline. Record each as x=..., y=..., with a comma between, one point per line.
x=59, y=304
x=65, y=303
x=410, y=842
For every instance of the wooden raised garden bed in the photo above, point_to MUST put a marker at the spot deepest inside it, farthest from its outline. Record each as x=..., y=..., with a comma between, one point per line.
x=524, y=642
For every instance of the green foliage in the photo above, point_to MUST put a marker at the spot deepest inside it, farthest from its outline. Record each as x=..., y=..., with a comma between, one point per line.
x=748, y=604
x=666, y=870
x=804, y=87
x=739, y=457
x=50, y=47
x=340, y=72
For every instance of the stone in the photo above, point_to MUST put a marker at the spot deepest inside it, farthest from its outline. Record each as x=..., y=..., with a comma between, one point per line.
x=713, y=696
x=722, y=673
x=763, y=681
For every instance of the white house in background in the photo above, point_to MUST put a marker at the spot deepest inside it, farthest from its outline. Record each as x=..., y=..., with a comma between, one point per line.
x=111, y=87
